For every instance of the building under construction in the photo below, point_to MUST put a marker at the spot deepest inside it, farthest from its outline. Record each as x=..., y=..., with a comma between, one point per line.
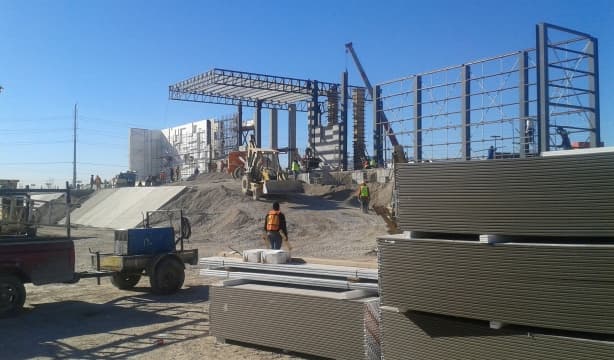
x=200, y=144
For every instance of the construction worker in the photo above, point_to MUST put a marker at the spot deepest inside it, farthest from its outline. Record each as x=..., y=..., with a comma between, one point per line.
x=275, y=226
x=491, y=152
x=98, y=182
x=296, y=168
x=364, y=196
x=373, y=163
x=565, y=142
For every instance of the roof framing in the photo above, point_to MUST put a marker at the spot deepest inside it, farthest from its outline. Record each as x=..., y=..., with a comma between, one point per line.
x=230, y=87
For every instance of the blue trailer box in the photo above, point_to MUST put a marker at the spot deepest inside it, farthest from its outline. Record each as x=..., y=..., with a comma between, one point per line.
x=144, y=241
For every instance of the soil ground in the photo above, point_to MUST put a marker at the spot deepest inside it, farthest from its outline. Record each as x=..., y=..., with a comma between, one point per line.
x=90, y=321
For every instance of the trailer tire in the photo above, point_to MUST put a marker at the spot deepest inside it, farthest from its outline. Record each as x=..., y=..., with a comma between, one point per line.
x=168, y=276
x=12, y=295
x=124, y=281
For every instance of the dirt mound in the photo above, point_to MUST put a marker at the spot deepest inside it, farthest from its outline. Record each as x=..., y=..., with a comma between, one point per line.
x=324, y=221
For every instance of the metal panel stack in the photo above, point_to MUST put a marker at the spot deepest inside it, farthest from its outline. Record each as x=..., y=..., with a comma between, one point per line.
x=323, y=310
x=330, y=324
x=566, y=287
x=568, y=195
x=303, y=274
x=554, y=283
x=432, y=337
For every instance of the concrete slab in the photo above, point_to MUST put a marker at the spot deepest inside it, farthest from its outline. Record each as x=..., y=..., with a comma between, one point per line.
x=124, y=207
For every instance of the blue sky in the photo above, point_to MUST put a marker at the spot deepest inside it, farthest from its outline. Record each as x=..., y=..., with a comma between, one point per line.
x=117, y=58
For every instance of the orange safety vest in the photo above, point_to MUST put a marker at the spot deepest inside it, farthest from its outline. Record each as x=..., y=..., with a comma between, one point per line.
x=273, y=220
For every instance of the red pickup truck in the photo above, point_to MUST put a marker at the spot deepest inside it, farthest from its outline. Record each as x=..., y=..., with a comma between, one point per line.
x=32, y=260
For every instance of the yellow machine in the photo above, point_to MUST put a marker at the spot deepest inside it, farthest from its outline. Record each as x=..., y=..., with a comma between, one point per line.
x=264, y=175
x=17, y=215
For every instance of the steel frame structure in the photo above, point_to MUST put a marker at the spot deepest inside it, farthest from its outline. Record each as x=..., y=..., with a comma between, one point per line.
x=495, y=107
x=568, y=85
x=231, y=87
x=260, y=91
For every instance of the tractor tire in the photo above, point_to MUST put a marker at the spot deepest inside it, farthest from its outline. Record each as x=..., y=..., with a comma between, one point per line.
x=167, y=277
x=238, y=173
x=245, y=185
x=12, y=295
x=124, y=281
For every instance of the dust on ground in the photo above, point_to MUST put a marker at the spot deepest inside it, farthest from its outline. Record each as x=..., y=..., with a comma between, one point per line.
x=90, y=321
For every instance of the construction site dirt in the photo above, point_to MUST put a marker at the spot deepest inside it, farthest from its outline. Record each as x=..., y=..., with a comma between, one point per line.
x=90, y=321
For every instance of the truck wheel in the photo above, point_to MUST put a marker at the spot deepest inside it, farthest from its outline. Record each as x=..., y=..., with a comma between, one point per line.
x=124, y=281
x=12, y=295
x=167, y=277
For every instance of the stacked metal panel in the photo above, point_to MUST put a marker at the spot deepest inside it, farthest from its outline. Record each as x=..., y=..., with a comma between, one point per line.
x=321, y=323
x=567, y=287
x=568, y=195
x=430, y=337
x=551, y=291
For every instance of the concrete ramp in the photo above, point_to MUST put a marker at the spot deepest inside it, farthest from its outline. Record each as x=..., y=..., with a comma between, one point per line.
x=122, y=208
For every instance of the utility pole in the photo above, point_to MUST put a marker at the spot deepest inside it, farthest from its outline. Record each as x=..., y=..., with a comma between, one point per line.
x=74, y=159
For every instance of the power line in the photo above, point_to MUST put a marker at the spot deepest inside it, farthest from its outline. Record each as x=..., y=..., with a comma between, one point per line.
x=59, y=163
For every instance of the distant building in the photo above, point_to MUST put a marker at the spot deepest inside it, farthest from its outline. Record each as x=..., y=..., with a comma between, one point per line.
x=196, y=144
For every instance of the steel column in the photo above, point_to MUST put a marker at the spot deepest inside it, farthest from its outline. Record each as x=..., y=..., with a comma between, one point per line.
x=466, y=113
x=526, y=134
x=593, y=87
x=314, y=115
x=344, y=120
x=543, y=101
x=258, y=124
x=418, y=118
x=292, y=134
x=239, y=124
x=273, y=129
x=378, y=146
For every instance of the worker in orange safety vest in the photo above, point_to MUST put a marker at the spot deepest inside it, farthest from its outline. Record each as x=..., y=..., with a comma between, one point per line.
x=275, y=226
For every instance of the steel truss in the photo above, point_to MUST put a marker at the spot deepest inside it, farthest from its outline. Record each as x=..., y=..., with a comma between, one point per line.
x=230, y=87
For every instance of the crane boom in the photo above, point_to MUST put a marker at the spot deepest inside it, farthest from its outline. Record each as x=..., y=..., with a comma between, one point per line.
x=365, y=79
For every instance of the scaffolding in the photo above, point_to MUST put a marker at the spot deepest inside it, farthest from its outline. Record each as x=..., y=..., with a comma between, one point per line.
x=501, y=107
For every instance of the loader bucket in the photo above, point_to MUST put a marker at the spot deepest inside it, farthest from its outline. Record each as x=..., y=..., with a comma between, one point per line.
x=280, y=187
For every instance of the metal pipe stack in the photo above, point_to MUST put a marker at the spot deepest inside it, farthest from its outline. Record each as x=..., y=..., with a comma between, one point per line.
x=546, y=294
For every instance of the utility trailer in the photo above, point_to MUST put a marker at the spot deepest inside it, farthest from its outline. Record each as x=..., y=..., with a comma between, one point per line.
x=42, y=260
x=148, y=251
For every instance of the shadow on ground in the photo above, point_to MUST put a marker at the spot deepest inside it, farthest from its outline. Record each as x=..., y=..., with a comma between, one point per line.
x=47, y=329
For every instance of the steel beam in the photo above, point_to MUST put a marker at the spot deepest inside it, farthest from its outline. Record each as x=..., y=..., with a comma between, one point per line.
x=418, y=118
x=273, y=129
x=466, y=113
x=258, y=124
x=593, y=84
x=344, y=119
x=291, y=134
x=525, y=124
x=378, y=145
x=543, y=93
x=239, y=124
